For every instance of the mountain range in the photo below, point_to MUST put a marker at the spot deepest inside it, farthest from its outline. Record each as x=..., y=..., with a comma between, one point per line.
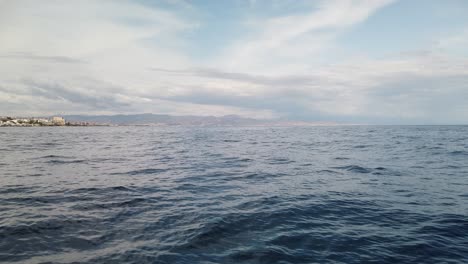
x=159, y=119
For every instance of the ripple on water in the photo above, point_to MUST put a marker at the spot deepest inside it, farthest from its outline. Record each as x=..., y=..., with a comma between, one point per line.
x=141, y=172
x=234, y=195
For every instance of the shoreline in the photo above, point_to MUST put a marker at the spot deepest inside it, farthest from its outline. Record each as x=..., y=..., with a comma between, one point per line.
x=55, y=121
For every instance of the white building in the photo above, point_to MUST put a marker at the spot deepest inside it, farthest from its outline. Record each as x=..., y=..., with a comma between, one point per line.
x=58, y=121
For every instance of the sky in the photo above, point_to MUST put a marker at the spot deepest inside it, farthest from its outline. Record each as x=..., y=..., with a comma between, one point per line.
x=347, y=61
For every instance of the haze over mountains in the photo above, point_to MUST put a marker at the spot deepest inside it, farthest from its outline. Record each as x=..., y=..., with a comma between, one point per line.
x=158, y=119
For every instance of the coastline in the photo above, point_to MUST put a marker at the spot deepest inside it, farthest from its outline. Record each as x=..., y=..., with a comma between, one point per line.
x=42, y=122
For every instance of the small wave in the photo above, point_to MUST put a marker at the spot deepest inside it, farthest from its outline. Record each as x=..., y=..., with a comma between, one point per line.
x=280, y=161
x=140, y=172
x=341, y=158
x=458, y=153
x=361, y=146
x=364, y=170
x=380, y=171
x=37, y=201
x=328, y=171
x=131, y=203
x=269, y=255
x=218, y=231
x=50, y=144
x=55, y=157
x=235, y=161
x=354, y=168
x=40, y=227
x=35, y=175
x=231, y=140
x=56, y=161
x=102, y=190
x=261, y=175
x=121, y=188
x=454, y=167
x=16, y=189
x=85, y=190
x=127, y=203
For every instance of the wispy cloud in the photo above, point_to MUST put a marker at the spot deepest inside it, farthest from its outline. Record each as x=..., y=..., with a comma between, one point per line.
x=28, y=56
x=292, y=39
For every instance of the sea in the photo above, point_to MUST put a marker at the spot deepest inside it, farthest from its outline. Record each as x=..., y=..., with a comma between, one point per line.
x=324, y=194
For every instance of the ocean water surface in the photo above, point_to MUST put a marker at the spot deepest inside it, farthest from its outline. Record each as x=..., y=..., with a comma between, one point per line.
x=345, y=194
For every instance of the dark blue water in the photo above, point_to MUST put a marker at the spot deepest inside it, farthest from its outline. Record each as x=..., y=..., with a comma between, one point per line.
x=234, y=195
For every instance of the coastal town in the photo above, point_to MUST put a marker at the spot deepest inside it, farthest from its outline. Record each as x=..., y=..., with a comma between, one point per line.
x=33, y=122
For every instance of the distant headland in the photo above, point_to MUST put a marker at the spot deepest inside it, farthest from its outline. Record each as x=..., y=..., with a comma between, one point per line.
x=44, y=121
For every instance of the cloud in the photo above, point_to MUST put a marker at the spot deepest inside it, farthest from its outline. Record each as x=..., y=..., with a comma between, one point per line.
x=73, y=95
x=104, y=57
x=26, y=56
x=291, y=80
x=286, y=43
x=404, y=89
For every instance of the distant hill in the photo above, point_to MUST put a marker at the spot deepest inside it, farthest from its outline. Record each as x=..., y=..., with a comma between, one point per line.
x=155, y=119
